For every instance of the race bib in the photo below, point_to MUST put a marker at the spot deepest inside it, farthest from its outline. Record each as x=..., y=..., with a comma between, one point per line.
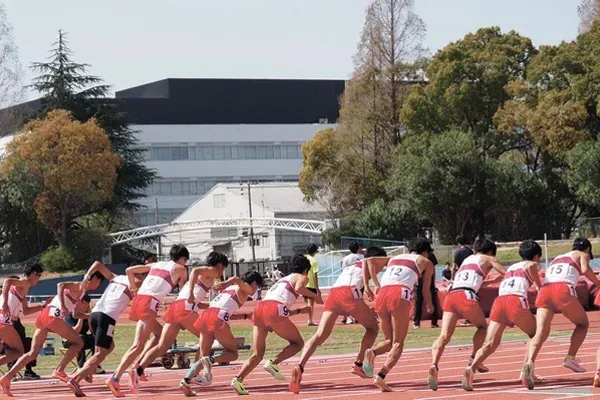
x=356, y=293
x=116, y=290
x=283, y=311
x=154, y=305
x=406, y=294
x=224, y=315
x=189, y=306
x=5, y=319
x=110, y=331
x=471, y=296
x=572, y=291
x=55, y=312
x=524, y=303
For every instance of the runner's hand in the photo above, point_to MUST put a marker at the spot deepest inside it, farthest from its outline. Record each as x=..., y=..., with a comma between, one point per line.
x=369, y=293
x=319, y=299
x=6, y=310
x=191, y=299
x=377, y=289
x=219, y=286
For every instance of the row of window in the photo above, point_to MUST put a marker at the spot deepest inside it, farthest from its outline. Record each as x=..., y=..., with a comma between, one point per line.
x=203, y=185
x=224, y=152
x=148, y=218
x=260, y=240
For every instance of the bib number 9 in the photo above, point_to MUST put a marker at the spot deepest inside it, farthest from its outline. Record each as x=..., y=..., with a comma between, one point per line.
x=283, y=311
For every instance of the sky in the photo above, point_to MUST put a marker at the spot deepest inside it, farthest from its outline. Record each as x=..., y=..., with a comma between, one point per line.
x=132, y=42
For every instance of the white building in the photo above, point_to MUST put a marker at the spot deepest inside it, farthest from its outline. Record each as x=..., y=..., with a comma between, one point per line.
x=268, y=200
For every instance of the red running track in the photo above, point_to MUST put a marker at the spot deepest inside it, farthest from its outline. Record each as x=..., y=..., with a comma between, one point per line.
x=329, y=378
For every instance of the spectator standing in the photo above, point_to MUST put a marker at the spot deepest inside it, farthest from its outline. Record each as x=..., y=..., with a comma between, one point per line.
x=459, y=256
x=313, y=280
x=447, y=273
x=434, y=299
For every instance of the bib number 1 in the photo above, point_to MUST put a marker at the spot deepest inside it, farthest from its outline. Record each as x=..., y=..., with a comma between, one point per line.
x=356, y=293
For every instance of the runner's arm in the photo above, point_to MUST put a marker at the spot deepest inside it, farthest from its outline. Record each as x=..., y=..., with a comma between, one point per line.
x=131, y=272
x=375, y=265
x=499, y=268
x=587, y=271
x=28, y=310
x=194, y=275
x=8, y=282
x=97, y=266
x=301, y=289
x=234, y=280
x=533, y=270
x=61, y=293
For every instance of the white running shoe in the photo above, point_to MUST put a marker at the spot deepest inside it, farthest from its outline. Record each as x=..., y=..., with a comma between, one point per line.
x=467, y=381
x=380, y=383
x=200, y=380
x=574, y=365
x=207, y=369
x=432, y=378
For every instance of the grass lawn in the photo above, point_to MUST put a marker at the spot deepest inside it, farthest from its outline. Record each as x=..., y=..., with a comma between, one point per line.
x=344, y=340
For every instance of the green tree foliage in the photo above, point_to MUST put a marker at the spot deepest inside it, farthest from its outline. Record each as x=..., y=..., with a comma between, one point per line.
x=386, y=220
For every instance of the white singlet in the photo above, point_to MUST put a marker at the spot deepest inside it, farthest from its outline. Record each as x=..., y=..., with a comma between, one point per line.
x=15, y=306
x=516, y=281
x=159, y=282
x=69, y=303
x=352, y=276
x=115, y=298
x=283, y=292
x=401, y=270
x=563, y=269
x=469, y=275
x=200, y=291
x=351, y=259
x=228, y=301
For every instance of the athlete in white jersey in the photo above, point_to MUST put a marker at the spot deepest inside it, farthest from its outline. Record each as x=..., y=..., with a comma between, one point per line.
x=272, y=315
x=103, y=320
x=213, y=324
x=51, y=320
x=511, y=307
x=345, y=298
x=462, y=302
x=558, y=294
x=12, y=303
x=393, y=301
x=162, y=278
x=183, y=313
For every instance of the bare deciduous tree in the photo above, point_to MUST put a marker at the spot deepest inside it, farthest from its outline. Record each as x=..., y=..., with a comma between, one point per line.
x=589, y=11
x=11, y=73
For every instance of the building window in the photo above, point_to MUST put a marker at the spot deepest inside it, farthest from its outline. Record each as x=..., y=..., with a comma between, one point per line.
x=261, y=152
x=247, y=152
x=179, y=153
x=220, y=233
x=256, y=241
x=208, y=153
x=161, y=153
x=219, y=200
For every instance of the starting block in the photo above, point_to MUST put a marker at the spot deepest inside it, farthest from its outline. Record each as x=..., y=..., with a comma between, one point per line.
x=181, y=354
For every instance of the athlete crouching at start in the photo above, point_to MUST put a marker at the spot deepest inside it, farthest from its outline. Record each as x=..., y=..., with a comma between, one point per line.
x=213, y=324
x=272, y=315
x=393, y=301
x=510, y=307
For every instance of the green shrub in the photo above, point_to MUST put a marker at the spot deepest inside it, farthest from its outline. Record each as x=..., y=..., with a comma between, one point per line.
x=59, y=259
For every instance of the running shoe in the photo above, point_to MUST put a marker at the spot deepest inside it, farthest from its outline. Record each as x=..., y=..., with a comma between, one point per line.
x=114, y=387
x=134, y=382
x=186, y=389
x=467, y=381
x=30, y=376
x=207, y=369
x=200, y=380
x=481, y=369
x=5, y=387
x=359, y=371
x=527, y=376
x=380, y=383
x=75, y=388
x=573, y=365
x=296, y=379
x=60, y=375
x=273, y=369
x=238, y=386
x=142, y=378
x=536, y=378
x=432, y=378
x=597, y=379
x=101, y=371
x=369, y=363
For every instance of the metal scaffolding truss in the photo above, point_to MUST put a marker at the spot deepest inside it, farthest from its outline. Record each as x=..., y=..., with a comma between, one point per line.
x=298, y=225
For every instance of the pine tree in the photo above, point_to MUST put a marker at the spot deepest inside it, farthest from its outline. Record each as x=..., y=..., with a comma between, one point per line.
x=65, y=84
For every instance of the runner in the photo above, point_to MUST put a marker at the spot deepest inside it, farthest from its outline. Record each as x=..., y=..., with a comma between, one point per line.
x=162, y=278
x=463, y=302
x=184, y=311
x=12, y=304
x=511, y=307
x=51, y=320
x=345, y=298
x=393, y=301
x=103, y=320
x=213, y=324
x=558, y=294
x=272, y=315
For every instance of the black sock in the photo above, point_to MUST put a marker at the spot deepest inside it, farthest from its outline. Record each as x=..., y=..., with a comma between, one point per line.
x=239, y=379
x=211, y=359
x=301, y=368
x=358, y=364
x=140, y=371
x=381, y=375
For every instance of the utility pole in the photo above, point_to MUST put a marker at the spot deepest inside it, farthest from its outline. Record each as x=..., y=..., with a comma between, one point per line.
x=158, y=244
x=251, y=225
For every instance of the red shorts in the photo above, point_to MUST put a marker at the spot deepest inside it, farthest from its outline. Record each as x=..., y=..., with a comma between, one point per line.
x=268, y=313
x=463, y=303
x=46, y=317
x=391, y=298
x=212, y=320
x=508, y=309
x=556, y=296
x=179, y=311
x=142, y=307
x=343, y=300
